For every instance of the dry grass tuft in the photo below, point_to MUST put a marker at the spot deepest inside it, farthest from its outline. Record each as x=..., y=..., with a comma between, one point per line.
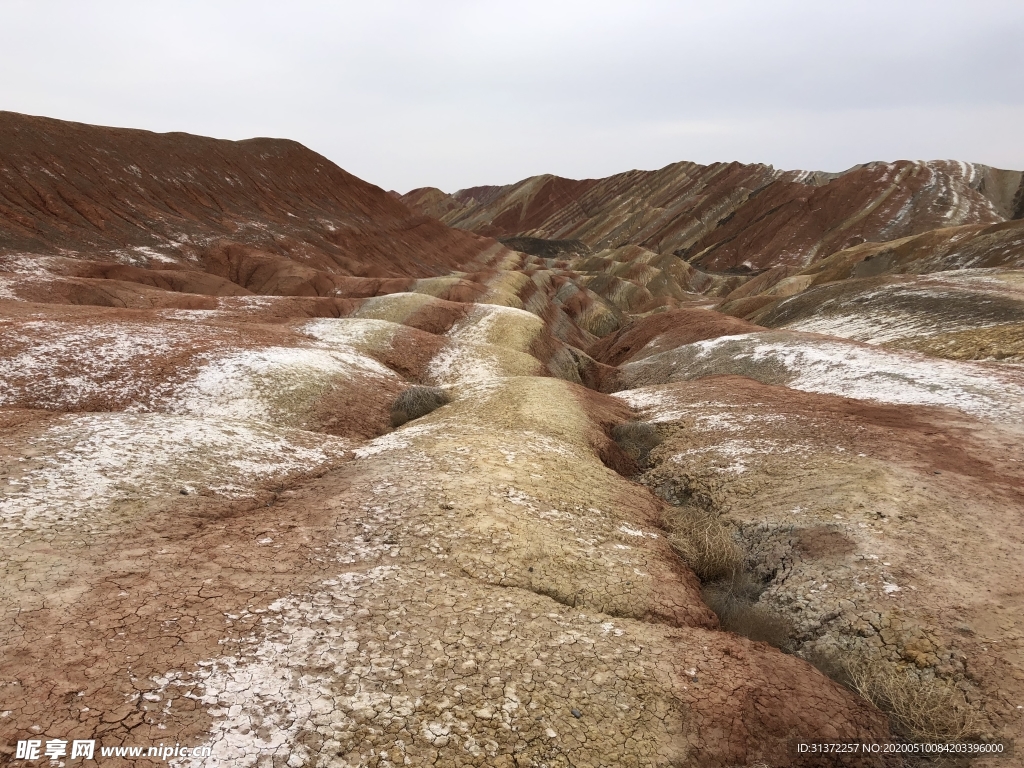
x=704, y=542
x=636, y=439
x=734, y=600
x=930, y=710
x=919, y=709
x=416, y=402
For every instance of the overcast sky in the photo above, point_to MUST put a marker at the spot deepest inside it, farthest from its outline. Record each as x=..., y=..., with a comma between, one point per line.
x=455, y=94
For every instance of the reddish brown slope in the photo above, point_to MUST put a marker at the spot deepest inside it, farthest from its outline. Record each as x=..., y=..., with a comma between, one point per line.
x=132, y=196
x=666, y=330
x=428, y=201
x=739, y=217
x=795, y=223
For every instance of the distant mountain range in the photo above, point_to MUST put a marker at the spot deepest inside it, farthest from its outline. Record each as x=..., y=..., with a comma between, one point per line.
x=735, y=217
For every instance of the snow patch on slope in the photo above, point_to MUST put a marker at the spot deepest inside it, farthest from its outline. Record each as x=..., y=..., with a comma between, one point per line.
x=256, y=383
x=183, y=367
x=351, y=331
x=880, y=327
x=59, y=365
x=863, y=373
x=847, y=369
x=84, y=463
x=492, y=341
x=265, y=695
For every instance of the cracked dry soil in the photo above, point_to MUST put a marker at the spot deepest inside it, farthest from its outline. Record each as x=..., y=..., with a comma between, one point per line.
x=450, y=593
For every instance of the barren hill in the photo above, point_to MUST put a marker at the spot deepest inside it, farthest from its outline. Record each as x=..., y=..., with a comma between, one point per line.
x=292, y=471
x=730, y=216
x=137, y=197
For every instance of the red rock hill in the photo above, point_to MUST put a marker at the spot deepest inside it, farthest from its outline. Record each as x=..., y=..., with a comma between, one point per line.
x=149, y=199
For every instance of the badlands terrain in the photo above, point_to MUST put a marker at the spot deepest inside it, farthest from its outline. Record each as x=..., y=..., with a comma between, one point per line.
x=728, y=457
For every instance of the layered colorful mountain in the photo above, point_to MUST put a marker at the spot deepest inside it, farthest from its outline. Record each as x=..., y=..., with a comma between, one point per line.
x=735, y=217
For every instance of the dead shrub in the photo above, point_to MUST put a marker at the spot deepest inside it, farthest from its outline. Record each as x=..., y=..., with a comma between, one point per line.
x=734, y=600
x=704, y=542
x=931, y=710
x=636, y=439
x=831, y=665
x=416, y=402
x=919, y=709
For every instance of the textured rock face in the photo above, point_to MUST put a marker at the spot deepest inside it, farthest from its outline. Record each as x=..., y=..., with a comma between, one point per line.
x=732, y=216
x=875, y=528
x=210, y=533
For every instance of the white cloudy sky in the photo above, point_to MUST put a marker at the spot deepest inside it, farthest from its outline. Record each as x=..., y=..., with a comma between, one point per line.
x=453, y=93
